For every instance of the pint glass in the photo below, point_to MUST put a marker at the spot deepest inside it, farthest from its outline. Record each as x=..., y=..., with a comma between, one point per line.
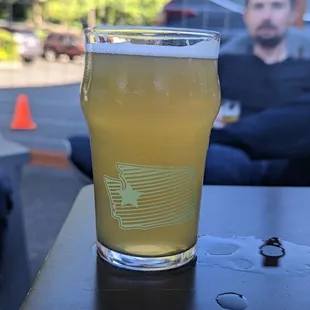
x=149, y=96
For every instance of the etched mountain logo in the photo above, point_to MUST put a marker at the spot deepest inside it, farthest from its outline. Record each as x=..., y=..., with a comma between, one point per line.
x=146, y=197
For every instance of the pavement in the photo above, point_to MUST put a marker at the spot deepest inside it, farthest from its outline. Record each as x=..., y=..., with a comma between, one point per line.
x=53, y=93
x=47, y=196
x=41, y=73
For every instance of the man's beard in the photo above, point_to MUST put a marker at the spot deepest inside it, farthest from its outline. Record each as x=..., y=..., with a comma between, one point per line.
x=268, y=42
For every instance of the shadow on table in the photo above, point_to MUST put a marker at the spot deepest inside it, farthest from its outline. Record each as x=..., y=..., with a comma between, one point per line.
x=1, y=259
x=117, y=288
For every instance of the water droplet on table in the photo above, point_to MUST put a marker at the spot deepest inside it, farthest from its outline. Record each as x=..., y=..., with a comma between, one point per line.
x=212, y=245
x=271, y=256
x=221, y=249
x=232, y=301
x=243, y=264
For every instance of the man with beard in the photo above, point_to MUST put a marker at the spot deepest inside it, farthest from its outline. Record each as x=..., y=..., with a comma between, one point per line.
x=269, y=75
x=275, y=23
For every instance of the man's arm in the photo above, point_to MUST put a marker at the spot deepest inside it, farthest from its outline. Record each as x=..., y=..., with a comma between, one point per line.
x=282, y=132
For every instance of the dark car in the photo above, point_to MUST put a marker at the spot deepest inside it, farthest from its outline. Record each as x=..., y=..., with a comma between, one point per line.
x=57, y=44
x=29, y=44
x=224, y=16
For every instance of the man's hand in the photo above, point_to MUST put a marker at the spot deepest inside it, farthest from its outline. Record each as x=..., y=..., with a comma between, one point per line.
x=219, y=122
x=228, y=113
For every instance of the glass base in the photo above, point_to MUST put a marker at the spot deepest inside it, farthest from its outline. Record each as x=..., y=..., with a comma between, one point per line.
x=139, y=263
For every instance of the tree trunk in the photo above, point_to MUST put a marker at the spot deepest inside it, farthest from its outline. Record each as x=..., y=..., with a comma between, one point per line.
x=91, y=19
x=36, y=13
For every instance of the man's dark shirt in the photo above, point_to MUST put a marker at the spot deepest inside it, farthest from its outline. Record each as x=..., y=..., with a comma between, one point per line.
x=275, y=106
x=259, y=86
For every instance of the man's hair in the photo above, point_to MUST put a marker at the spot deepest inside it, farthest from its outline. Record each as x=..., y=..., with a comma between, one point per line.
x=293, y=2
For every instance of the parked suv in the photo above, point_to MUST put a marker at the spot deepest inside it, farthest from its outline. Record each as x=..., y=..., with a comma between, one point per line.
x=29, y=44
x=224, y=16
x=57, y=44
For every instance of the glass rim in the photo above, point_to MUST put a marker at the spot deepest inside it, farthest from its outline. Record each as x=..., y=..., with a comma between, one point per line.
x=165, y=33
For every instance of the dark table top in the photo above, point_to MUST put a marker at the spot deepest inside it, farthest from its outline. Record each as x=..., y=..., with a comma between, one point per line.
x=253, y=253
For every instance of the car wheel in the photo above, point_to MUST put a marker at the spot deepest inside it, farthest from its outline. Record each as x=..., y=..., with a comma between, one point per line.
x=64, y=58
x=28, y=60
x=77, y=59
x=50, y=55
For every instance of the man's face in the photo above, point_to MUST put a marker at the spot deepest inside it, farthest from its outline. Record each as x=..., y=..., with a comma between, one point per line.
x=268, y=20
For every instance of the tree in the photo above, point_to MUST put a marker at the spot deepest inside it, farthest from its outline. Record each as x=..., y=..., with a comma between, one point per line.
x=36, y=11
x=69, y=11
x=107, y=11
x=132, y=12
x=66, y=11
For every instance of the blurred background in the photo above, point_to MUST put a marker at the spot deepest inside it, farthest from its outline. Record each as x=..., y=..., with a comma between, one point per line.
x=42, y=55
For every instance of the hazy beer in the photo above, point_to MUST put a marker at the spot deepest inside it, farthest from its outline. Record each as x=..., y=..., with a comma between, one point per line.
x=149, y=106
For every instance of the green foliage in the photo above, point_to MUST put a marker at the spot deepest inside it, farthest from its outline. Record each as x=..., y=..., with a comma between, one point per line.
x=8, y=47
x=142, y=11
x=41, y=34
x=66, y=11
x=132, y=12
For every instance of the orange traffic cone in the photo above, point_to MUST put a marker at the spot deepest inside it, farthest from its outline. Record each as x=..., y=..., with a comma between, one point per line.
x=22, y=119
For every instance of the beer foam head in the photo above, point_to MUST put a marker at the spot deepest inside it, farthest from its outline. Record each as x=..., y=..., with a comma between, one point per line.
x=205, y=46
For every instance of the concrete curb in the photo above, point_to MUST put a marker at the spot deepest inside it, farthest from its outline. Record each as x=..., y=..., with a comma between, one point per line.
x=50, y=159
x=36, y=85
x=39, y=74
